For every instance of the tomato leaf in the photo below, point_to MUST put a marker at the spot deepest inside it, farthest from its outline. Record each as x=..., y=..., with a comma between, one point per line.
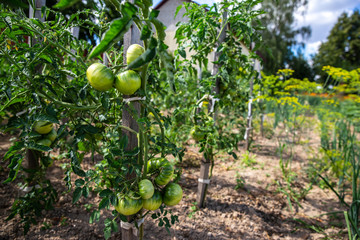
x=65, y=4
x=104, y=203
x=107, y=232
x=78, y=171
x=114, y=226
x=47, y=118
x=37, y=147
x=145, y=32
x=117, y=30
x=77, y=194
x=154, y=14
x=79, y=182
x=160, y=28
x=95, y=216
x=105, y=193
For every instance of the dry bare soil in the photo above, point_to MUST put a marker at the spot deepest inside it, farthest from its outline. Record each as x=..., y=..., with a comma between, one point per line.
x=255, y=210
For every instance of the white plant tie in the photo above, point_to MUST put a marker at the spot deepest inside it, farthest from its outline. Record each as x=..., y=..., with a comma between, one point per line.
x=205, y=181
x=21, y=113
x=213, y=101
x=249, y=107
x=127, y=100
x=29, y=188
x=135, y=230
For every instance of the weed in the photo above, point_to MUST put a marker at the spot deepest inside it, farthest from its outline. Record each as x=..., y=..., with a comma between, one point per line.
x=240, y=181
x=193, y=210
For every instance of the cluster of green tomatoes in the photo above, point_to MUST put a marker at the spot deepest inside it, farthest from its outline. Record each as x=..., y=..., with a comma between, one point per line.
x=150, y=193
x=47, y=131
x=160, y=171
x=128, y=82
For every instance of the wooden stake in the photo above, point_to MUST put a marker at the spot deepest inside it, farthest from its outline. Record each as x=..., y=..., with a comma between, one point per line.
x=203, y=184
x=205, y=164
x=131, y=37
x=31, y=159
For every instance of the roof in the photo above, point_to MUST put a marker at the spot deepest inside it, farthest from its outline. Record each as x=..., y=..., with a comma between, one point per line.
x=162, y=2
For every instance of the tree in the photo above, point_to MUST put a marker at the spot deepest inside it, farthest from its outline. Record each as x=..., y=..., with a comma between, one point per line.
x=301, y=67
x=279, y=36
x=342, y=48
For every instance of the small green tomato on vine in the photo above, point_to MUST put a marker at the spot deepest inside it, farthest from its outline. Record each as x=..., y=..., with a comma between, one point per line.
x=100, y=77
x=43, y=127
x=128, y=82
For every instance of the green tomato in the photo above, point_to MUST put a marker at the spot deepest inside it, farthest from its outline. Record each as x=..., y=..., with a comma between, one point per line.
x=172, y=194
x=100, y=77
x=44, y=142
x=154, y=202
x=146, y=189
x=128, y=206
x=163, y=168
x=51, y=135
x=128, y=82
x=43, y=127
x=133, y=52
x=197, y=134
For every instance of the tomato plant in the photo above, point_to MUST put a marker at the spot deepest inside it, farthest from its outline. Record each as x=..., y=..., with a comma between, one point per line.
x=60, y=97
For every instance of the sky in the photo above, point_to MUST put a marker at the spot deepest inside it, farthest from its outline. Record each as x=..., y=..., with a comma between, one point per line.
x=321, y=15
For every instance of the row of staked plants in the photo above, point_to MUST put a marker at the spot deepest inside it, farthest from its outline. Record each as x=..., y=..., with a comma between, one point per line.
x=58, y=96
x=296, y=105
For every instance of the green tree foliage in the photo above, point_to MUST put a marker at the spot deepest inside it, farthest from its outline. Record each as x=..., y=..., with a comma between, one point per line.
x=279, y=36
x=301, y=67
x=342, y=48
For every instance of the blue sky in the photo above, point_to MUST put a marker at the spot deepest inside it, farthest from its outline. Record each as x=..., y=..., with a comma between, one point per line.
x=321, y=15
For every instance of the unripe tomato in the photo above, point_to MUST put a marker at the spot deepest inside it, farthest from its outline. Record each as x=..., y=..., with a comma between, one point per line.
x=197, y=134
x=43, y=127
x=128, y=82
x=100, y=77
x=146, y=189
x=128, y=206
x=44, y=142
x=154, y=202
x=163, y=167
x=133, y=52
x=51, y=135
x=172, y=194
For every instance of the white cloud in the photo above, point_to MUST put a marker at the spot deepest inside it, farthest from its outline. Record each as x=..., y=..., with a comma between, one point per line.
x=322, y=15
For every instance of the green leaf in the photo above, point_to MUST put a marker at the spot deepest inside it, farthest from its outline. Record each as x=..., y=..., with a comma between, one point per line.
x=154, y=14
x=95, y=216
x=78, y=171
x=37, y=147
x=65, y=4
x=117, y=30
x=79, y=182
x=85, y=191
x=114, y=226
x=146, y=57
x=77, y=194
x=15, y=3
x=105, y=193
x=47, y=118
x=107, y=232
x=145, y=33
x=104, y=203
x=182, y=52
x=116, y=4
x=160, y=28
x=13, y=149
x=177, y=10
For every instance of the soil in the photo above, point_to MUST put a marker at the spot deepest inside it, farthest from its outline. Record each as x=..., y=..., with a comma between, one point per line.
x=243, y=201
